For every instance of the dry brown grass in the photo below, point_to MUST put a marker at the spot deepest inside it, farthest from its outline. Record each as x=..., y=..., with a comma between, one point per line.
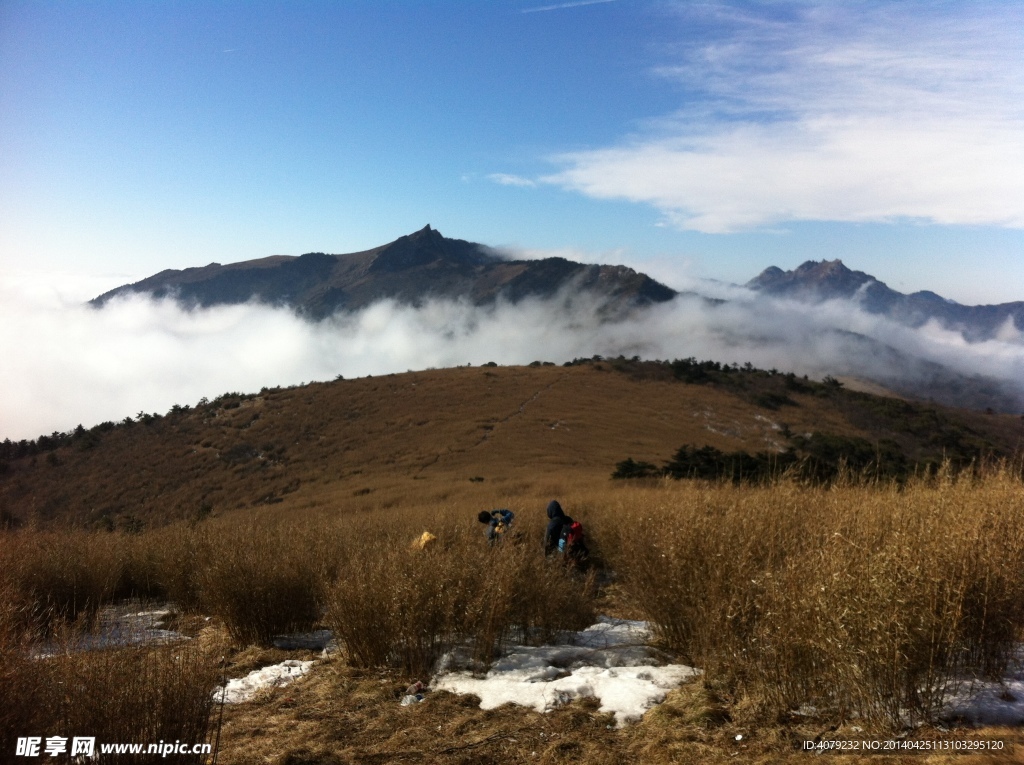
x=859, y=600
x=127, y=695
x=60, y=576
x=133, y=695
x=864, y=601
x=260, y=579
x=392, y=605
x=23, y=690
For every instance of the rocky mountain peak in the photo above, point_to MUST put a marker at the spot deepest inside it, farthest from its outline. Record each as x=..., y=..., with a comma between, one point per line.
x=823, y=280
x=425, y=247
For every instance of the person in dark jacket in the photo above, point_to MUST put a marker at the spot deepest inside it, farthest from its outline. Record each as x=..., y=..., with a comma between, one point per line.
x=498, y=523
x=557, y=521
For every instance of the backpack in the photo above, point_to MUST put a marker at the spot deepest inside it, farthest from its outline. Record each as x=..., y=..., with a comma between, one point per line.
x=571, y=542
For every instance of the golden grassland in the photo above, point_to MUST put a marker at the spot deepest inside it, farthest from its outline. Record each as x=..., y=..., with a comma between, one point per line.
x=862, y=601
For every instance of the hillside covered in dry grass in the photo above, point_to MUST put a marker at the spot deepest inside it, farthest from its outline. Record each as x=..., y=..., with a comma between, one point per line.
x=353, y=445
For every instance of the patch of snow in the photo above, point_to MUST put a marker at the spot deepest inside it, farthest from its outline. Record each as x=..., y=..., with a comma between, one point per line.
x=138, y=626
x=611, y=661
x=989, y=704
x=118, y=626
x=242, y=689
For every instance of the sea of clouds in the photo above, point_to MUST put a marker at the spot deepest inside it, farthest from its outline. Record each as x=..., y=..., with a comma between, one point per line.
x=66, y=363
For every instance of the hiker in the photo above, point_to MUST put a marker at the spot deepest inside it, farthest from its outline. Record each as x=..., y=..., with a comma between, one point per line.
x=498, y=523
x=557, y=520
x=564, y=535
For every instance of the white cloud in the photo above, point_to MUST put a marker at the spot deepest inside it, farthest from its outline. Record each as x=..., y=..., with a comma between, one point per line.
x=838, y=113
x=506, y=179
x=562, y=6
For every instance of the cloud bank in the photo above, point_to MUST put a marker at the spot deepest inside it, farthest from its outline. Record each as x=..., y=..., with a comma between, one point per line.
x=858, y=112
x=65, y=363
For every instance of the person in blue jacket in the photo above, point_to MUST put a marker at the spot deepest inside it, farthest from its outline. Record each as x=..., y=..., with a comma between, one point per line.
x=498, y=523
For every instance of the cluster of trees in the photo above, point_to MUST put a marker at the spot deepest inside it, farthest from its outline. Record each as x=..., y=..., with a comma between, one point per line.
x=14, y=450
x=86, y=438
x=818, y=457
x=690, y=370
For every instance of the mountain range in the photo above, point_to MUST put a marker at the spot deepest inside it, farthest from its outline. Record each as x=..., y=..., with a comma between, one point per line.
x=409, y=270
x=426, y=265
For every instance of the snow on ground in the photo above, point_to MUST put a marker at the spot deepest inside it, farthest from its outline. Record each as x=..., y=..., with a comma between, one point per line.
x=991, y=703
x=121, y=625
x=610, y=661
x=613, y=662
x=275, y=676
x=129, y=627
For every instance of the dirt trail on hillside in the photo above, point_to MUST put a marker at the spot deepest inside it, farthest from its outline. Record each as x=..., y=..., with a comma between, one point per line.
x=519, y=411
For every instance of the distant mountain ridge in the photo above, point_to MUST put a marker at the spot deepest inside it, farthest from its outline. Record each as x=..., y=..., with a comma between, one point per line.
x=410, y=270
x=815, y=281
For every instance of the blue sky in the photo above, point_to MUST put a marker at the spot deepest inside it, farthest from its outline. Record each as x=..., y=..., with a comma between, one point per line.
x=687, y=139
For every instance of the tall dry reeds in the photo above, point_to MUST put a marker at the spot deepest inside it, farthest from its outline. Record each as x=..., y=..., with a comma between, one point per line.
x=262, y=579
x=392, y=604
x=60, y=576
x=137, y=694
x=23, y=689
x=857, y=600
x=861, y=599
x=133, y=695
